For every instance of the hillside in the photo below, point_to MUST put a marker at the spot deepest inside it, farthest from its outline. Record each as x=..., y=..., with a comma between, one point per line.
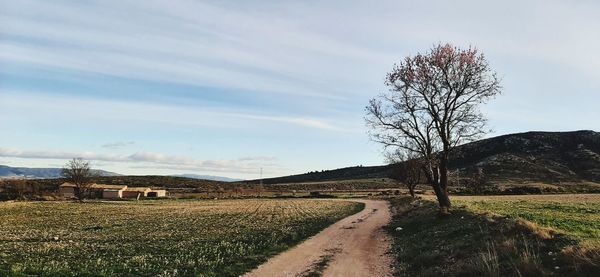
x=534, y=156
x=531, y=156
x=208, y=177
x=347, y=173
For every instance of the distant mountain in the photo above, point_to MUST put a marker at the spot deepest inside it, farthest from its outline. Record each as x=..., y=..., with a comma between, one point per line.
x=532, y=156
x=39, y=173
x=208, y=177
x=49, y=173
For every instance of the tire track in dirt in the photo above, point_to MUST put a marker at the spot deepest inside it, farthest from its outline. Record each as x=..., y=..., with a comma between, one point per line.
x=354, y=246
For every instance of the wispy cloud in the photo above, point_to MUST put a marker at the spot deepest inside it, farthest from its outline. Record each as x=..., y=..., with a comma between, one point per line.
x=14, y=102
x=118, y=144
x=208, y=50
x=257, y=159
x=144, y=159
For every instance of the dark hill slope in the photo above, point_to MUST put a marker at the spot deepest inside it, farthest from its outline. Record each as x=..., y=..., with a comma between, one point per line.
x=531, y=156
x=347, y=173
x=534, y=156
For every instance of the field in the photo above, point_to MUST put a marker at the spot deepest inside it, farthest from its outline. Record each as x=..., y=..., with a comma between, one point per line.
x=576, y=216
x=166, y=238
x=529, y=235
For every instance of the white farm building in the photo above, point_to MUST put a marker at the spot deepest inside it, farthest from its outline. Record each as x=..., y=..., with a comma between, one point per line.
x=112, y=191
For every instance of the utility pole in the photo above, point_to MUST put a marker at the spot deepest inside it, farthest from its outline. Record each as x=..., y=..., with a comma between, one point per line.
x=261, y=179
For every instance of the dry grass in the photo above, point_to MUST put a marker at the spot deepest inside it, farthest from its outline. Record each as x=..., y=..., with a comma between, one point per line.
x=498, y=237
x=490, y=262
x=543, y=233
x=585, y=257
x=529, y=262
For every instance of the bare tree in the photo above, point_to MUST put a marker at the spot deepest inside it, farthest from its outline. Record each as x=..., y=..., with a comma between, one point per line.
x=408, y=171
x=78, y=172
x=479, y=182
x=432, y=106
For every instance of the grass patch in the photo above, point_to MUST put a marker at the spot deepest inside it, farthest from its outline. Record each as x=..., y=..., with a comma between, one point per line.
x=166, y=238
x=579, y=220
x=474, y=242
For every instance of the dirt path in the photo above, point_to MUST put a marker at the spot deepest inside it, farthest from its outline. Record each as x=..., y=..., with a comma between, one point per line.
x=354, y=246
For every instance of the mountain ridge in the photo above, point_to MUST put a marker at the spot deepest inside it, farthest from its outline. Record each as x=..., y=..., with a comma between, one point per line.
x=41, y=172
x=54, y=173
x=529, y=156
x=207, y=177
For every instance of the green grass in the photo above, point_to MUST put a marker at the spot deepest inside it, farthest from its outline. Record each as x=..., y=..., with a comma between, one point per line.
x=579, y=220
x=469, y=243
x=167, y=238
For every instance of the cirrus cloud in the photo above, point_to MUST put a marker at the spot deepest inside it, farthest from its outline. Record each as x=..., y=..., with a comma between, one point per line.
x=118, y=144
x=149, y=160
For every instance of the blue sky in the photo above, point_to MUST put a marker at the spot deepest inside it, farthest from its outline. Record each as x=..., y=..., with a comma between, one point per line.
x=225, y=88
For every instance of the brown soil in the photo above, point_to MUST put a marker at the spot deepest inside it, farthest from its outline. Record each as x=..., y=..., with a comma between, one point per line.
x=354, y=246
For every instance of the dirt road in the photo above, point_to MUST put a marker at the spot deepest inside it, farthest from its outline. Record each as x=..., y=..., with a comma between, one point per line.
x=354, y=246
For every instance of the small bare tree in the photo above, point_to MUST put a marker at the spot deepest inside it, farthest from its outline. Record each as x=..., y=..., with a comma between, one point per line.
x=433, y=106
x=78, y=172
x=479, y=182
x=408, y=171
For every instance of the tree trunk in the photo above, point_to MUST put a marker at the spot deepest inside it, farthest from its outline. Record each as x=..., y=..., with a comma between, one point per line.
x=411, y=190
x=444, y=173
x=443, y=198
x=434, y=177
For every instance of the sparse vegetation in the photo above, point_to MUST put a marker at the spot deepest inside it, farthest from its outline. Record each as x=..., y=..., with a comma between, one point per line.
x=578, y=220
x=166, y=238
x=16, y=189
x=492, y=238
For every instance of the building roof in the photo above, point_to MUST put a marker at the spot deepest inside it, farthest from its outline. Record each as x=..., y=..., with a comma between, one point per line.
x=103, y=186
x=67, y=185
x=95, y=186
x=138, y=189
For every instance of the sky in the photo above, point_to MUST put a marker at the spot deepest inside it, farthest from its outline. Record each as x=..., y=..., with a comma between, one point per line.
x=228, y=87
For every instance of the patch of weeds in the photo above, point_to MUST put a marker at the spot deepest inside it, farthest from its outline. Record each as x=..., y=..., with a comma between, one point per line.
x=489, y=261
x=477, y=244
x=584, y=257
